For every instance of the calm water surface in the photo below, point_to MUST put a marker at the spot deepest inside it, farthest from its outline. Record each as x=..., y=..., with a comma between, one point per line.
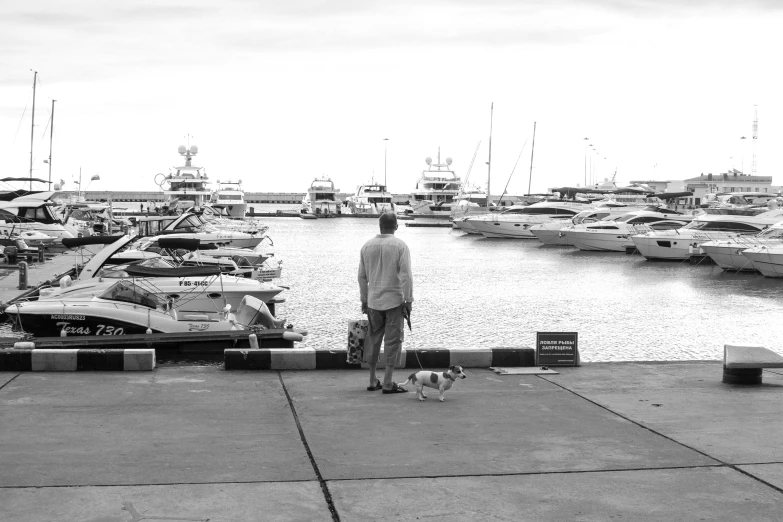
x=475, y=292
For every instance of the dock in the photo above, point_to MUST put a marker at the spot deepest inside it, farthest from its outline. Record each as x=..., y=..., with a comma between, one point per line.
x=604, y=441
x=430, y=225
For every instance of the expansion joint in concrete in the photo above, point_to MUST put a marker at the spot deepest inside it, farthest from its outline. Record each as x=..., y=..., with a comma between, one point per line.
x=659, y=434
x=321, y=481
x=10, y=381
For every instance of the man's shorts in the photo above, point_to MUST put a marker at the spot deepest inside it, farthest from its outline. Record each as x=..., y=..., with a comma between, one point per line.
x=385, y=326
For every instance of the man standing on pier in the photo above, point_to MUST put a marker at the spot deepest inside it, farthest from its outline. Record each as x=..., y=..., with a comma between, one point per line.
x=386, y=290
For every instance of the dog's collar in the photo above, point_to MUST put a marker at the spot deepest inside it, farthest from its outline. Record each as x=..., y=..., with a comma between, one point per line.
x=449, y=377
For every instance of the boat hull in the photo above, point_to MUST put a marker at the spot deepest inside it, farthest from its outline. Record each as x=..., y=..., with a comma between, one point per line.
x=599, y=241
x=729, y=256
x=99, y=317
x=769, y=264
x=551, y=234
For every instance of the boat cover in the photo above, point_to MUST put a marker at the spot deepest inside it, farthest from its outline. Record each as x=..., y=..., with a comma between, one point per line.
x=72, y=242
x=182, y=271
x=184, y=243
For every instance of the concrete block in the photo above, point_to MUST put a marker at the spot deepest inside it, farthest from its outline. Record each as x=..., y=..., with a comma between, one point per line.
x=48, y=360
x=139, y=359
x=382, y=360
x=471, y=358
x=293, y=359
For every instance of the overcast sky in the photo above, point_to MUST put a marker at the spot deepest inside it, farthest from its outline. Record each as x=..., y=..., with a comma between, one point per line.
x=276, y=93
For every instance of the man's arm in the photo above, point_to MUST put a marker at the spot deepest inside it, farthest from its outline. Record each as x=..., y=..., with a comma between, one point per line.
x=362, y=282
x=406, y=276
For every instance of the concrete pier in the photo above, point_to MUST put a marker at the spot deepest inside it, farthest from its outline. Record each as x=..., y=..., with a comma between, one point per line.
x=630, y=441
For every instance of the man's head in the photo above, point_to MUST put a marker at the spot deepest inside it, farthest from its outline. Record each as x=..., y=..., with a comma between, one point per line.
x=388, y=223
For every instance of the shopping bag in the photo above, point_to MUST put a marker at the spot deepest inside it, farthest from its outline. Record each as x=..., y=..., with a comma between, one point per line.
x=357, y=334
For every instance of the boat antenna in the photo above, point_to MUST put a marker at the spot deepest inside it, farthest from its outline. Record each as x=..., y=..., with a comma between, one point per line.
x=532, y=150
x=512, y=170
x=32, y=129
x=489, y=159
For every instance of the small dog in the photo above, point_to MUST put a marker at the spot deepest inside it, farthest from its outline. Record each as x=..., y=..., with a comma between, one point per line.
x=441, y=381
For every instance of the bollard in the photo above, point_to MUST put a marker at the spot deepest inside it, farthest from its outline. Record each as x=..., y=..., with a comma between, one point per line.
x=22, y=275
x=41, y=253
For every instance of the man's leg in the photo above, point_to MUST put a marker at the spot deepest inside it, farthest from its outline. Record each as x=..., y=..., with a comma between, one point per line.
x=372, y=347
x=392, y=343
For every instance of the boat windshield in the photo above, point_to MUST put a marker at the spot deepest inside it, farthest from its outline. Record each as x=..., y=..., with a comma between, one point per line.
x=771, y=233
x=127, y=292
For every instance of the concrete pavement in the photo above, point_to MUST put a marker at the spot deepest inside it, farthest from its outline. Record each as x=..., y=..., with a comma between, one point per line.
x=611, y=441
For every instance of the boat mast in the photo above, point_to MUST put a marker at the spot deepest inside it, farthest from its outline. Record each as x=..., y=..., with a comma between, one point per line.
x=32, y=130
x=532, y=150
x=51, y=134
x=489, y=160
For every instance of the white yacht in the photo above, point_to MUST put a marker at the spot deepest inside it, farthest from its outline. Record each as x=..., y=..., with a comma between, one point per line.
x=767, y=259
x=33, y=213
x=436, y=189
x=185, y=186
x=516, y=221
x=714, y=224
x=553, y=232
x=321, y=199
x=371, y=199
x=728, y=253
x=229, y=198
x=615, y=235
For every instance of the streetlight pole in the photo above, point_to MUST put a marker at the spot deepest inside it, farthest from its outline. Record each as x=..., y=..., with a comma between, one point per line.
x=585, y=140
x=743, y=155
x=385, y=145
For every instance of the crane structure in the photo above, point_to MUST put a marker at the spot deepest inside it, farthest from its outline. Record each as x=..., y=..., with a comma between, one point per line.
x=755, y=138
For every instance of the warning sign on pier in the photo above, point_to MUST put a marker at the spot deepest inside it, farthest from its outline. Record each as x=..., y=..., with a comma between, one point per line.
x=557, y=349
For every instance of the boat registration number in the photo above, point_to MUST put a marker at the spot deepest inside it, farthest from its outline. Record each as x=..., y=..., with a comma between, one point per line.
x=193, y=283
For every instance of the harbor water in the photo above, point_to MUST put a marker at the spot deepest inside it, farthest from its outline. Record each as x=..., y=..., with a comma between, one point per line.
x=475, y=292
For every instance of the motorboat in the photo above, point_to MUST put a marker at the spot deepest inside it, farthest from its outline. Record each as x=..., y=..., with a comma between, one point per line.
x=220, y=219
x=190, y=288
x=369, y=199
x=33, y=212
x=191, y=225
x=436, y=188
x=728, y=253
x=766, y=258
x=125, y=307
x=229, y=198
x=553, y=232
x=516, y=221
x=186, y=186
x=714, y=224
x=33, y=238
x=320, y=200
x=614, y=235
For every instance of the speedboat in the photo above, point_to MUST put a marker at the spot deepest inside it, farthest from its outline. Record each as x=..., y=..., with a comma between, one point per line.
x=767, y=259
x=728, y=253
x=371, y=199
x=189, y=225
x=190, y=288
x=614, y=235
x=125, y=307
x=436, y=189
x=35, y=213
x=714, y=224
x=320, y=199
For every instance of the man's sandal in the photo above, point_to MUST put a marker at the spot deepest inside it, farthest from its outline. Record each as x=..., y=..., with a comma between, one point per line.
x=377, y=386
x=396, y=388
